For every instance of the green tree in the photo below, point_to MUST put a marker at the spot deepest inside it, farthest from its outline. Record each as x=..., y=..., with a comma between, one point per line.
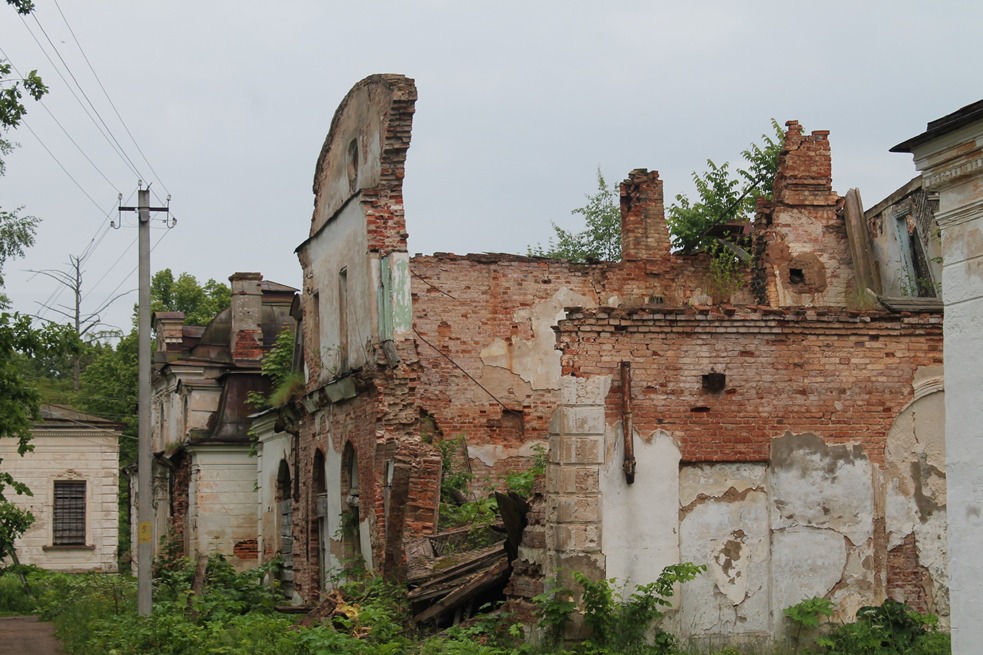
x=20, y=401
x=200, y=303
x=109, y=388
x=599, y=241
x=724, y=198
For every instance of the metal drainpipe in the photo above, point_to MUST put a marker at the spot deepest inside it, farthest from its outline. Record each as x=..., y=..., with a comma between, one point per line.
x=626, y=423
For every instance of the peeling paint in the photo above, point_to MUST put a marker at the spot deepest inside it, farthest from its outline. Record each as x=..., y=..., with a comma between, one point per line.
x=535, y=360
x=821, y=486
x=727, y=530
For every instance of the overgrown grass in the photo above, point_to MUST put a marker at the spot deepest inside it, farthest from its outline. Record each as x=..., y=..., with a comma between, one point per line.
x=234, y=614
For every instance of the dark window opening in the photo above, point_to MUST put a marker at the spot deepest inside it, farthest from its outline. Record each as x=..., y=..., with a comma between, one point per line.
x=69, y=514
x=714, y=382
x=796, y=275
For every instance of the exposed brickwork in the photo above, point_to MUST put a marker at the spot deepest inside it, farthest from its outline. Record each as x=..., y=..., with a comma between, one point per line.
x=480, y=358
x=385, y=220
x=247, y=305
x=180, y=483
x=643, y=225
x=247, y=550
x=462, y=304
x=907, y=580
x=806, y=257
x=841, y=375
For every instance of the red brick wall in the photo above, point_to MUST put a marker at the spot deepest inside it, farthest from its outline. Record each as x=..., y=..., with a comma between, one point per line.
x=382, y=425
x=180, y=484
x=907, y=580
x=841, y=375
x=461, y=304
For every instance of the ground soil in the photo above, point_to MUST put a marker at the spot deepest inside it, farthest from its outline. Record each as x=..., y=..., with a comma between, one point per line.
x=26, y=635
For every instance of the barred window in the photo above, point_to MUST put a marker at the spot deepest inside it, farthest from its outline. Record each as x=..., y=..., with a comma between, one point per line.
x=69, y=516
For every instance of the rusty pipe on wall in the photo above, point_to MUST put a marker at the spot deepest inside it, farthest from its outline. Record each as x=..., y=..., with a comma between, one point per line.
x=628, y=429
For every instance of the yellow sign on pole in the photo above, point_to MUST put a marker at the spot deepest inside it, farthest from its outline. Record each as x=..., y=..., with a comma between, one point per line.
x=145, y=533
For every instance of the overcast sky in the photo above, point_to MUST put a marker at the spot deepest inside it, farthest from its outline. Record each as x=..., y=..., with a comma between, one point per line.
x=519, y=104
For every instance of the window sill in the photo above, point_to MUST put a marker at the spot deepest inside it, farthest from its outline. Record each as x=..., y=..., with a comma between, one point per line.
x=72, y=547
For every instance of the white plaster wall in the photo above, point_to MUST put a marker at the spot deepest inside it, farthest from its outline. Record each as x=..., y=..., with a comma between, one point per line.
x=360, y=118
x=90, y=456
x=822, y=515
x=201, y=405
x=639, y=522
x=343, y=244
x=962, y=289
x=223, y=510
x=725, y=525
x=273, y=448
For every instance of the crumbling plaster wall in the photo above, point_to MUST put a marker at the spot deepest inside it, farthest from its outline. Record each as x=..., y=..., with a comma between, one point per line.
x=340, y=282
x=787, y=476
x=272, y=447
x=222, y=500
x=915, y=503
x=358, y=412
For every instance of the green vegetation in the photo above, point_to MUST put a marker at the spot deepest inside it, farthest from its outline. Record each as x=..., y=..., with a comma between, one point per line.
x=287, y=384
x=20, y=399
x=599, y=241
x=200, y=303
x=723, y=198
x=233, y=613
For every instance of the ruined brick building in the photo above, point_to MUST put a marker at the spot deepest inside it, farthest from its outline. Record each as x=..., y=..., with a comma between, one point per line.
x=787, y=432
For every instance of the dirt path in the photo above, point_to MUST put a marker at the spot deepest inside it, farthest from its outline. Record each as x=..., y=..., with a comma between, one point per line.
x=26, y=635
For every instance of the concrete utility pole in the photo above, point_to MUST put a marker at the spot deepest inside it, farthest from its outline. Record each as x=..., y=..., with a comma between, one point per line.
x=145, y=510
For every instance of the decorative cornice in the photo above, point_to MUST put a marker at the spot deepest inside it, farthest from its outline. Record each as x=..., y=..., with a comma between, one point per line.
x=938, y=180
x=960, y=215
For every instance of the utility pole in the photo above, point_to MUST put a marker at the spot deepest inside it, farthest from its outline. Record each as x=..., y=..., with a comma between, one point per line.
x=145, y=510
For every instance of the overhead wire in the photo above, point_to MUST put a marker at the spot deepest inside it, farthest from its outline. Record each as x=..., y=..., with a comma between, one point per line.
x=108, y=133
x=110, y=100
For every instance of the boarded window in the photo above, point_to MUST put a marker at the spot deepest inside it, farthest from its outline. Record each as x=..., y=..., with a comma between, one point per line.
x=69, y=516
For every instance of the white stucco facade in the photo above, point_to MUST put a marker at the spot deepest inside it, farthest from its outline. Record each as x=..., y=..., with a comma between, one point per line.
x=949, y=156
x=86, y=456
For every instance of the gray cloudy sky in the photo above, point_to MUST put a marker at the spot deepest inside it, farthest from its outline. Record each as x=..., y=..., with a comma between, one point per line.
x=519, y=103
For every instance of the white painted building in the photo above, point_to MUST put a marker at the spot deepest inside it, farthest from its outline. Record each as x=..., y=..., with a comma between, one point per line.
x=949, y=155
x=73, y=473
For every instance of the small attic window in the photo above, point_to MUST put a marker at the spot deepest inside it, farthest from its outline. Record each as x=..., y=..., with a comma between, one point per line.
x=353, y=166
x=796, y=275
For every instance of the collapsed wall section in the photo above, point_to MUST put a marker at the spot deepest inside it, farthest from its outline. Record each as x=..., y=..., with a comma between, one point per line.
x=805, y=255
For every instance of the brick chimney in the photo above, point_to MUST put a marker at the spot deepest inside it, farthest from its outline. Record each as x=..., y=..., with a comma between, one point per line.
x=805, y=168
x=246, y=335
x=644, y=234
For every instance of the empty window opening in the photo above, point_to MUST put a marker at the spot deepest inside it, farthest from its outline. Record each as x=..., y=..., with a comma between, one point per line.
x=350, y=511
x=343, y=320
x=796, y=276
x=353, y=166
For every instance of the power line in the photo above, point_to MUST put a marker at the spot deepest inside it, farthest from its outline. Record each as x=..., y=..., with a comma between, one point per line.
x=60, y=165
x=126, y=160
x=106, y=93
x=58, y=123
